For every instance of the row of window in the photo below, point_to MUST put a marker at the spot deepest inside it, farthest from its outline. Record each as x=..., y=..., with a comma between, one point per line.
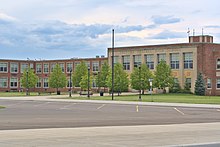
x=149, y=60
x=45, y=68
x=41, y=83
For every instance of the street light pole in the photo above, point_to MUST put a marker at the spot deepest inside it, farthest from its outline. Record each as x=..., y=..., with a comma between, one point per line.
x=88, y=81
x=27, y=90
x=140, y=82
x=70, y=84
x=112, y=64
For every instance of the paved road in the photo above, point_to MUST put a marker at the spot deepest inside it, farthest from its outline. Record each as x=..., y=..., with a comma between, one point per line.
x=29, y=114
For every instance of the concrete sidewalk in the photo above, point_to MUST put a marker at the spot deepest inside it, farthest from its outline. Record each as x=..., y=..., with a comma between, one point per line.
x=121, y=136
x=58, y=98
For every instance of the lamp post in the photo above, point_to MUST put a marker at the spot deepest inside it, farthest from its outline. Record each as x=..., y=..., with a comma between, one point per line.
x=140, y=82
x=27, y=90
x=70, y=84
x=112, y=64
x=88, y=81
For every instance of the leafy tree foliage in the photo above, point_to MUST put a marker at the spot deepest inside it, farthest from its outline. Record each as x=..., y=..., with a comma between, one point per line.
x=29, y=78
x=80, y=71
x=140, y=78
x=121, y=81
x=57, y=78
x=200, y=85
x=175, y=87
x=163, y=77
x=84, y=82
x=101, y=78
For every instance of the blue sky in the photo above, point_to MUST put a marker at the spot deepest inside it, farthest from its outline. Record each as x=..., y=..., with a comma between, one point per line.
x=55, y=29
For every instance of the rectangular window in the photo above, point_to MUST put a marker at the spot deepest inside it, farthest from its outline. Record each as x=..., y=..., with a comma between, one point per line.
x=46, y=83
x=161, y=57
x=188, y=82
x=3, y=67
x=31, y=65
x=69, y=67
x=126, y=62
x=38, y=68
x=88, y=64
x=209, y=83
x=95, y=66
x=46, y=68
x=137, y=60
x=218, y=83
x=62, y=67
x=14, y=82
x=218, y=64
x=188, y=60
x=52, y=66
x=3, y=82
x=24, y=66
x=116, y=59
x=39, y=83
x=14, y=67
x=174, y=61
x=149, y=59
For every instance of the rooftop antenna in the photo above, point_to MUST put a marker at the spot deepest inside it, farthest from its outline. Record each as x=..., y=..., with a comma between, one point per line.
x=188, y=32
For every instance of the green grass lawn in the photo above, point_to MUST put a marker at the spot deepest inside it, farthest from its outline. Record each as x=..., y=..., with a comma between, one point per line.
x=167, y=98
x=1, y=107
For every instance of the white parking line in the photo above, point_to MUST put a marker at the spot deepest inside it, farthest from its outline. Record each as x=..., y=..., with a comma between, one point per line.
x=179, y=111
x=100, y=107
x=67, y=106
x=42, y=104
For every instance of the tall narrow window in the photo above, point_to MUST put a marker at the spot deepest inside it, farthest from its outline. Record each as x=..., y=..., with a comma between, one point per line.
x=149, y=59
x=209, y=83
x=62, y=67
x=188, y=61
x=174, y=61
x=126, y=62
x=14, y=67
x=39, y=81
x=188, y=82
x=95, y=66
x=46, y=83
x=116, y=59
x=3, y=67
x=23, y=67
x=88, y=64
x=14, y=82
x=218, y=64
x=52, y=66
x=38, y=68
x=3, y=82
x=46, y=68
x=137, y=60
x=161, y=57
x=69, y=67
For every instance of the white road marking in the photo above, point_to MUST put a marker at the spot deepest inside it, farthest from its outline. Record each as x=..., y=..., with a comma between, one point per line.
x=67, y=106
x=100, y=107
x=179, y=111
x=42, y=104
x=137, y=110
x=218, y=110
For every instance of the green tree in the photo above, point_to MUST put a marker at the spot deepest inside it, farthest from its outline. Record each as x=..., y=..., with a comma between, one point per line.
x=29, y=79
x=200, y=85
x=84, y=82
x=57, y=78
x=121, y=81
x=80, y=71
x=140, y=78
x=175, y=87
x=163, y=77
x=102, y=76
